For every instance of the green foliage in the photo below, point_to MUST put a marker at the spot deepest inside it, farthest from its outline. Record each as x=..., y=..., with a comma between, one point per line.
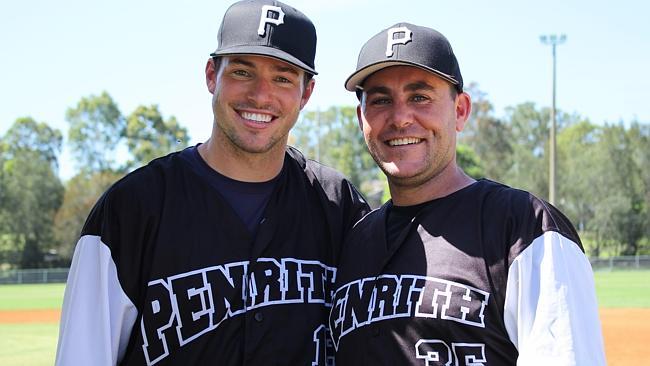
x=469, y=161
x=81, y=193
x=149, y=136
x=529, y=134
x=26, y=136
x=333, y=137
x=577, y=171
x=602, y=177
x=96, y=128
x=603, y=180
x=488, y=137
x=620, y=210
x=31, y=192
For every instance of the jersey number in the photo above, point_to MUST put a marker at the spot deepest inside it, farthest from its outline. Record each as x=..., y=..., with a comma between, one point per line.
x=435, y=352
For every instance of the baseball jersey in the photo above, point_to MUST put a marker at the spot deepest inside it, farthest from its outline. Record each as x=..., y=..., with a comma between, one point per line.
x=165, y=272
x=488, y=275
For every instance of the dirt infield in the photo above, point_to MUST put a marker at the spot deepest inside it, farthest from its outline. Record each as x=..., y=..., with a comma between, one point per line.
x=30, y=316
x=626, y=331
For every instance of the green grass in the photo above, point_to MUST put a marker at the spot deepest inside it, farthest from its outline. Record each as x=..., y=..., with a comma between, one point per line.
x=623, y=289
x=28, y=344
x=35, y=344
x=30, y=297
x=615, y=289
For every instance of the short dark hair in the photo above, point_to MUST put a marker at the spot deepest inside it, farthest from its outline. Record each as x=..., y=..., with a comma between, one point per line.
x=305, y=79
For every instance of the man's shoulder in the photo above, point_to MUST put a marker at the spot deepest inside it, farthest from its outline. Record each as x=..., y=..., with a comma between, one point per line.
x=526, y=210
x=321, y=171
x=331, y=186
x=332, y=182
x=151, y=175
x=147, y=183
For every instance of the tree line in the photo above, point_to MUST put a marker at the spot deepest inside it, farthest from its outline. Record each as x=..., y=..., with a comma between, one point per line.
x=41, y=216
x=603, y=175
x=603, y=180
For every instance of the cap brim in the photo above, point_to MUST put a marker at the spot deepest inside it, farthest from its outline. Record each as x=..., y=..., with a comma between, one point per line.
x=355, y=80
x=265, y=51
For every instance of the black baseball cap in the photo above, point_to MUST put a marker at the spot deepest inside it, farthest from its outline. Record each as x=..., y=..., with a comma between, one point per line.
x=268, y=28
x=410, y=45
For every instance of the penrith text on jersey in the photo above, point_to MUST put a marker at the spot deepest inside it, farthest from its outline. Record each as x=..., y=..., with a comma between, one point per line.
x=188, y=305
x=368, y=300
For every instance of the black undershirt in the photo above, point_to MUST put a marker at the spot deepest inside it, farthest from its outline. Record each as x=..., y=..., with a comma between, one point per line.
x=398, y=219
x=247, y=199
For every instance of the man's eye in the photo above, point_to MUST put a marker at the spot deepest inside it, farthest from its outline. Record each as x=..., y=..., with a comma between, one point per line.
x=380, y=101
x=282, y=79
x=419, y=98
x=241, y=73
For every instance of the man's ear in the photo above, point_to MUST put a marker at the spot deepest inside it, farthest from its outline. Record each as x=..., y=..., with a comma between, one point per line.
x=463, y=110
x=211, y=75
x=360, y=117
x=306, y=94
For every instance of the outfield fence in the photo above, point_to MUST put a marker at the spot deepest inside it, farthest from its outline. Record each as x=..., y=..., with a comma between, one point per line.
x=626, y=262
x=59, y=275
x=44, y=275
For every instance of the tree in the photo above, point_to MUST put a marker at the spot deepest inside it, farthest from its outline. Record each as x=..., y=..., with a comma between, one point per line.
x=487, y=136
x=577, y=170
x=469, y=161
x=529, y=140
x=149, y=136
x=96, y=129
x=619, y=209
x=639, y=135
x=81, y=193
x=333, y=137
x=31, y=191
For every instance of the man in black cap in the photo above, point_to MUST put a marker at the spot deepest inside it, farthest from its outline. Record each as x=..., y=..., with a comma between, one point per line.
x=224, y=253
x=451, y=271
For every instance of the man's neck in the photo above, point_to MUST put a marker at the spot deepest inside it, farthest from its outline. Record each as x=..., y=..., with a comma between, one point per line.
x=240, y=165
x=442, y=185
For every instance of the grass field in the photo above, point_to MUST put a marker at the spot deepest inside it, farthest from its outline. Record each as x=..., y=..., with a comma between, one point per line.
x=34, y=344
x=28, y=344
x=623, y=289
x=31, y=297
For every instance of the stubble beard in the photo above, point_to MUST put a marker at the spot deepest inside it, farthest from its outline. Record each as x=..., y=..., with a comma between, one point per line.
x=240, y=144
x=414, y=180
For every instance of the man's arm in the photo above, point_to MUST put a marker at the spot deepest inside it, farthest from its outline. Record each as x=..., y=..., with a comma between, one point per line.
x=551, y=310
x=97, y=316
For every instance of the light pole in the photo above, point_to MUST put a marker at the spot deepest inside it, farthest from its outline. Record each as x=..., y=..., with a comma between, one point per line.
x=552, y=40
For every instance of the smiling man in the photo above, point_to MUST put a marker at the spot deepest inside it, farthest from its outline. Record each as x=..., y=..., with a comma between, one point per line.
x=224, y=253
x=451, y=271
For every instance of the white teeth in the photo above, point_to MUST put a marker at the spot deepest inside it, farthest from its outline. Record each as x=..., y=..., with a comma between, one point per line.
x=257, y=117
x=403, y=141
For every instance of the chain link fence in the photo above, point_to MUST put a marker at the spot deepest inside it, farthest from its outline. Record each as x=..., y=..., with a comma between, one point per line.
x=45, y=275
x=633, y=262
x=59, y=275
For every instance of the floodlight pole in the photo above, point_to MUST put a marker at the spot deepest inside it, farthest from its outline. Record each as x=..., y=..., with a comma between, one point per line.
x=552, y=40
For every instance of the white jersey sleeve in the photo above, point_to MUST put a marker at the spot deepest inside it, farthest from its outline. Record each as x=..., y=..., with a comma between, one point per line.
x=97, y=316
x=550, y=310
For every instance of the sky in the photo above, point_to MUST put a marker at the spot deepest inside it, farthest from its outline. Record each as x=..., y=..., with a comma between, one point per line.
x=143, y=52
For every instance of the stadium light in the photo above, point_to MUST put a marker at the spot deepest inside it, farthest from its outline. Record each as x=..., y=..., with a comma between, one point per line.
x=553, y=40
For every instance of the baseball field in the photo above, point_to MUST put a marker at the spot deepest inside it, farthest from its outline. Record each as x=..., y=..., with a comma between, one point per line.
x=29, y=317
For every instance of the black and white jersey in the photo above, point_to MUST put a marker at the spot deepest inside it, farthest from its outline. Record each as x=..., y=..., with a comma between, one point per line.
x=165, y=272
x=488, y=275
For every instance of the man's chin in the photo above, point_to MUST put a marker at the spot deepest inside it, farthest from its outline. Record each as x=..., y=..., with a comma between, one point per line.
x=398, y=171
